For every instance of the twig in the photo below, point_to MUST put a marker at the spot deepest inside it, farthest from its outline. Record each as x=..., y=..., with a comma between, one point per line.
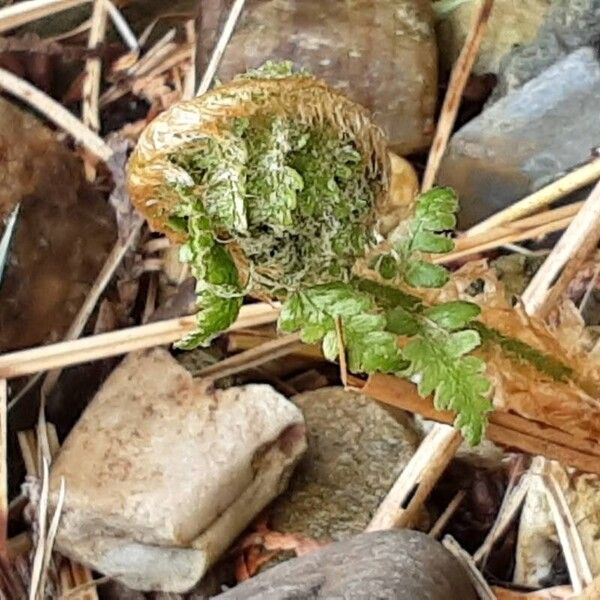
x=3, y=471
x=24, y=12
x=38, y=557
x=28, y=447
x=483, y=589
x=56, y=113
x=430, y=468
x=570, y=541
x=107, y=272
x=150, y=304
x=122, y=26
x=577, y=242
x=83, y=579
x=508, y=511
x=219, y=49
x=458, y=80
x=73, y=352
x=9, y=228
x=401, y=505
x=52, y=531
x=525, y=229
x=341, y=352
x=589, y=288
x=149, y=59
x=88, y=585
x=189, y=86
x=156, y=244
x=238, y=341
x=90, y=112
x=452, y=507
x=252, y=358
x=580, y=177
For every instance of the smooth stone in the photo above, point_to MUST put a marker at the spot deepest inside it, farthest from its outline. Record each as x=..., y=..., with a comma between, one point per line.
x=381, y=53
x=511, y=24
x=568, y=26
x=400, y=564
x=355, y=453
x=173, y=472
x=526, y=139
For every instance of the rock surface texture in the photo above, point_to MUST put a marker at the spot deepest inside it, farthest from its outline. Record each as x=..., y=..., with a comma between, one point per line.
x=568, y=26
x=511, y=24
x=172, y=472
x=383, y=565
x=381, y=53
x=526, y=139
x=356, y=451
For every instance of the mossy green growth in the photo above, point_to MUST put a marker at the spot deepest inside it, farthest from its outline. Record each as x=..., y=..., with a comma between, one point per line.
x=297, y=200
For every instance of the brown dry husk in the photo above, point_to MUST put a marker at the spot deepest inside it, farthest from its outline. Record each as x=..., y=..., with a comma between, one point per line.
x=304, y=98
x=571, y=406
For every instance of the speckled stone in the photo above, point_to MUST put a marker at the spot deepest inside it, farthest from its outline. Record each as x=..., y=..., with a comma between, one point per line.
x=356, y=450
x=526, y=139
x=385, y=565
x=380, y=53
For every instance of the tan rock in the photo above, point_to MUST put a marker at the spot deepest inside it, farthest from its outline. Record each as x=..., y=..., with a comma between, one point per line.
x=357, y=449
x=381, y=53
x=511, y=24
x=162, y=475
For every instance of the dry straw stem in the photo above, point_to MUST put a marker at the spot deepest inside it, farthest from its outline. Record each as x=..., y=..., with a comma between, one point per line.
x=566, y=258
x=479, y=583
x=525, y=229
x=219, y=49
x=54, y=112
x=452, y=507
x=122, y=26
x=434, y=462
x=508, y=511
x=400, y=508
x=576, y=179
x=570, y=541
x=189, y=86
x=238, y=341
x=254, y=357
x=24, y=12
x=90, y=111
x=458, y=80
x=93, y=68
x=96, y=347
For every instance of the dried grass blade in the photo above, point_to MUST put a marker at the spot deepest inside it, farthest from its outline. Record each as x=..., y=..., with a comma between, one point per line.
x=38, y=557
x=481, y=586
x=24, y=12
x=570, y=541
x=219, y=49
x=56, y=113
x=458, y=81
x=122, y=26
